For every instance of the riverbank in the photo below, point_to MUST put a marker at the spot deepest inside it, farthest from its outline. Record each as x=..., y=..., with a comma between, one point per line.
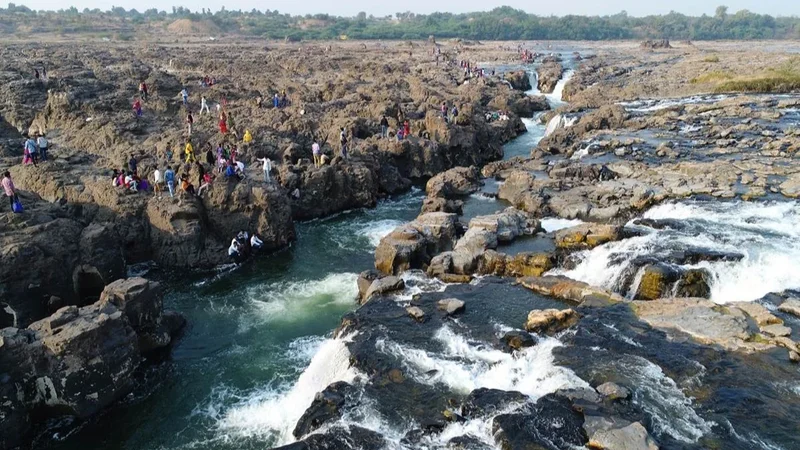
x=417, y=369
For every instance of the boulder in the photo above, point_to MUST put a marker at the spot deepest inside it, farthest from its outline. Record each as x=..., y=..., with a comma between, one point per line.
x=570, y=290
x=760, y=314
x=326, y=407
x=456, y=182
x=550, y=321
x=450, y=306
x=519, y=80
x=438, y=204
x=549, y=74
x=484, y=401
x=790, y=306
x=384, y=285
x=411, y=246
x=517, y=340
x=631, y=437
x=613, y=391
x=506, y=225
x=656, y=281
x=365, y=280
x=416, y=313
x=587, y=235
x=552, y=422
x=652, y=44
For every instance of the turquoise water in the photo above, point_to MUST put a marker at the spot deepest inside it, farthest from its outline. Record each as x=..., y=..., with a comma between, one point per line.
x=251, y=332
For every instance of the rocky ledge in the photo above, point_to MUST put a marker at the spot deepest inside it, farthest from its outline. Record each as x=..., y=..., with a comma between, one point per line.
x=80, y=360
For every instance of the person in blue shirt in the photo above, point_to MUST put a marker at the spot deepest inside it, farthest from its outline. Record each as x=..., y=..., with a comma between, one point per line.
x=185, y=95
x=30, y=145
x=169, y=177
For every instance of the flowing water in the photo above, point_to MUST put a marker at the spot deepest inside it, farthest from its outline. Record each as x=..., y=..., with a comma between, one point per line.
x=258, y=346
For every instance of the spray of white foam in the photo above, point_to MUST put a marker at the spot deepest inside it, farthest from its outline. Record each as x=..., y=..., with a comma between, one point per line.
x=272, y=412
x=533, y=76
x=558, y=122
x=552, y=224
x=652, y=105
x=464, y=365
x=661, y=398
x=767, y=234
x=417, y=282
x=289, y=301
x=375, y=231
x=556, y=99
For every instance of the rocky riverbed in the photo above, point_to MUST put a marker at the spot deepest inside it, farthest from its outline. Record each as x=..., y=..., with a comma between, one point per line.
x=624, y=278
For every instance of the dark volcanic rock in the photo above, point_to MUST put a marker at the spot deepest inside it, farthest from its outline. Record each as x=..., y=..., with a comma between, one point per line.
x=485, y=402
x=327, y=406
x=551, y=423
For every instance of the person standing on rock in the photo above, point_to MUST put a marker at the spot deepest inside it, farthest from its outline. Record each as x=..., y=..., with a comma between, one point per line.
x=132, y=165
x=384, y=127
x=158, y=183
x=232, y=126
x=169, y=177
x=204, y=105
x=276, y=101
x=248, y=137
x=315, y=153
x=454, y=114
x=406, y=129
x=210, y=160
x=343, y=142
x=223, y=127
x=267, y=167
x=444, y=111
x=41, y=142
x=189, y=151
x=143, y=90
x=10, y=189
x=30, y=149
x=185, y=95
x=189, y=122
x=137, y=108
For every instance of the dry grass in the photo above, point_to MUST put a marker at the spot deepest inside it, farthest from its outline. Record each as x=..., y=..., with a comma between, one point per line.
x=782, y=79
x=716, y=76
x=711, y=59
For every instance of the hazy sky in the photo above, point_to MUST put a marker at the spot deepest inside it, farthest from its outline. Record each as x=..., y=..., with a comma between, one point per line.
x=382, y=8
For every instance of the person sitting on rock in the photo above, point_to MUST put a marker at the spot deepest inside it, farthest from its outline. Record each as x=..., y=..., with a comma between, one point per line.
x=255, y=242
x=205, y=184
x=240, y=170
x=323, y=159
x=233, y=250
x=186, y=187
x=189, y=151
x=248, y=138
x=230, y=170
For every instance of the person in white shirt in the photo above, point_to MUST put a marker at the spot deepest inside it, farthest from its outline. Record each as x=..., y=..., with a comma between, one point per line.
x=158, y=182
x=255, y=242
x=267, y=167
x=41, y=142
x=315, y=152
x=204, y=105
x=233, y=250
x=240, y=169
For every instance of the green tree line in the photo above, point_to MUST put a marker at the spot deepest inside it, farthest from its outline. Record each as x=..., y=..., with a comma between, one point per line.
x=503, y=23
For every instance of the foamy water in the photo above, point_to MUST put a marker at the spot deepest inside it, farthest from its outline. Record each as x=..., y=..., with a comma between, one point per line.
x=556, y=99
x=767, y=234
x=464, y=366
x=552, y=224
x=272, y=412
x=290, y=301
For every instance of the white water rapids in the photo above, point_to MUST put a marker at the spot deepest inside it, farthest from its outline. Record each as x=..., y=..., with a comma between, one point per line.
x=767, y=234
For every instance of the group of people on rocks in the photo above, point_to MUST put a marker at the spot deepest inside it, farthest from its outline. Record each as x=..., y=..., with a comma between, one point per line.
x=34, y=149
x=471, y=70
x=243, y=244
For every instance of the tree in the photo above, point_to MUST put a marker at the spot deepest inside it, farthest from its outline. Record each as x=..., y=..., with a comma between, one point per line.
x=722, y=12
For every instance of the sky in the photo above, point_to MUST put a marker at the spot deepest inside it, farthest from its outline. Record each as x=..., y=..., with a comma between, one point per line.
x=383, y=8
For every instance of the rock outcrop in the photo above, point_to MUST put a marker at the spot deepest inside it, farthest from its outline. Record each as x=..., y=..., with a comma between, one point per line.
x=80, y=360
x=411, y=246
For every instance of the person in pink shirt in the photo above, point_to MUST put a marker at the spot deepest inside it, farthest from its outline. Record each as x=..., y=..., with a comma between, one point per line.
x=11, y=191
